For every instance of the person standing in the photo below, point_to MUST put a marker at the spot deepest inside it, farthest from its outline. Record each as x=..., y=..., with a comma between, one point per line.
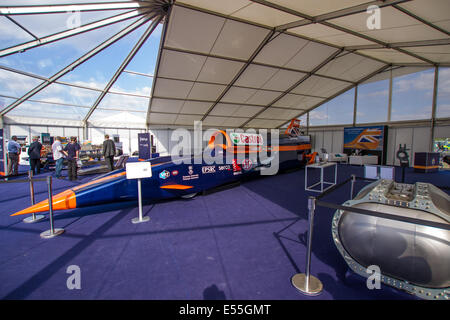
x=58, y=156
x=73, y=150
x=34, y=151
x=14, y=150
x=109, y=151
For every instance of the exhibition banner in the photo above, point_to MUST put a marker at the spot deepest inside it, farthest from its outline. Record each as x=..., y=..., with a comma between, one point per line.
x=45, y=138
x=2, y=155
x=364, y=138
x=144, y=146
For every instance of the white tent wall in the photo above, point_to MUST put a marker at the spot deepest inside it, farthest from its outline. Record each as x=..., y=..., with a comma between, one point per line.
x=56, y=131
x=161, y=139
x=415, y=136
x=73, y=132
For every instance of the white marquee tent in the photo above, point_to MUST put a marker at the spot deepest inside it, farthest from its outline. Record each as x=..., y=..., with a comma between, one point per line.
x=230, y=64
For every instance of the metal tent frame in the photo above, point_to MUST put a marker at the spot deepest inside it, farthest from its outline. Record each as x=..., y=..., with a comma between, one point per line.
x=161, y=11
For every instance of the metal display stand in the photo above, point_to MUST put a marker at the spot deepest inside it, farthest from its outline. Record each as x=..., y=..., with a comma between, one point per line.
x=140, y=218
x=53, y=232
x=310, y=285
x=320, y=166
x=305, y=282
x=34, y=217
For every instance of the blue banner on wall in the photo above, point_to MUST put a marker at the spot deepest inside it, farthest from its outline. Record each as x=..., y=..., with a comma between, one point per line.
x=364, y=138
x=2, y=155
x=144, y=146
x=45, y=138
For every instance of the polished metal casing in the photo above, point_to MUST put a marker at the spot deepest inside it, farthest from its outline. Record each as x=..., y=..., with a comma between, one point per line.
x=411, y=257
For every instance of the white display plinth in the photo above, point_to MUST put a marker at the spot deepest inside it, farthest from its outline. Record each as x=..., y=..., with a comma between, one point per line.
x=321, y=167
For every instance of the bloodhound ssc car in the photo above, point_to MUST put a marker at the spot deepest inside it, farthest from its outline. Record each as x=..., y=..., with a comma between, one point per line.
x=235, y=155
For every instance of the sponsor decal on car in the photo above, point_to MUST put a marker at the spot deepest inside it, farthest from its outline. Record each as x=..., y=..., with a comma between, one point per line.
x=191, y=175
x=175, y=172
x=225, y=167
x=247, y=164
x=208, y=169
x=247, y=139
x=236, y=168
x=164, y=174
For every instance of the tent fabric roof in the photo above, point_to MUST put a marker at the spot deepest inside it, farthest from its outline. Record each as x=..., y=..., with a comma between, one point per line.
x=257, y=63
x=237, y=63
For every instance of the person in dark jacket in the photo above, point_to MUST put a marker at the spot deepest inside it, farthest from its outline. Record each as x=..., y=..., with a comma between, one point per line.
x=34, y=151
x=73, y=150
x=109, y=151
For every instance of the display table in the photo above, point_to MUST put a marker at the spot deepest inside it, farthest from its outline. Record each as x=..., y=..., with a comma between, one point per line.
x=338, y=157
x=321, y=167
x=426, y=161
x=362, y=160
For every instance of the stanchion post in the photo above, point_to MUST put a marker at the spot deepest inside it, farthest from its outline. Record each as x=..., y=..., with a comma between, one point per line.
x=305, y=282
x=34, y=217
x=352, y=186
x=52, y=232
x=141, y=218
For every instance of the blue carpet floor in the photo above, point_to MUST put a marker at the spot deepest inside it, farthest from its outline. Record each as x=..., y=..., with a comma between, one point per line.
x=244, y=242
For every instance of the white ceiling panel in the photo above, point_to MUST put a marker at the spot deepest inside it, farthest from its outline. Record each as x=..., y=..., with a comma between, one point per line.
x=432, y=11
x=187, y=120
x=213, y=121
x=297, y=101
x=172, y=88
x=195, y=107
x=440, y=54
x=224, y=109
x=186, y=26
x=314, y=7
x=264, y=15
x=390, y=55
x=283, y=80
x=350, y=67
x=247, y=111
x=238, y=95
x=238, y=40
x=234, y=122
x=223, y=121
x=261, y=123
x=255, y=76
x=396, y=72
x=180, y=65
x=300, y=48
x=329, y=35
x=219, y=70
x=310, y=56
x=162, y=118
x=166, y=105
x=278, y=114
x=205, y=91
x=280, y=50
x=443, y=24
x=263, y=97
x=235, y=110
x=224, y=7
x=321, y=87
x=395, y=26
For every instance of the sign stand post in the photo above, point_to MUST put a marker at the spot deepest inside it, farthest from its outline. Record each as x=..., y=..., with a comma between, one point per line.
x=139, y=170
x=140, y=218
